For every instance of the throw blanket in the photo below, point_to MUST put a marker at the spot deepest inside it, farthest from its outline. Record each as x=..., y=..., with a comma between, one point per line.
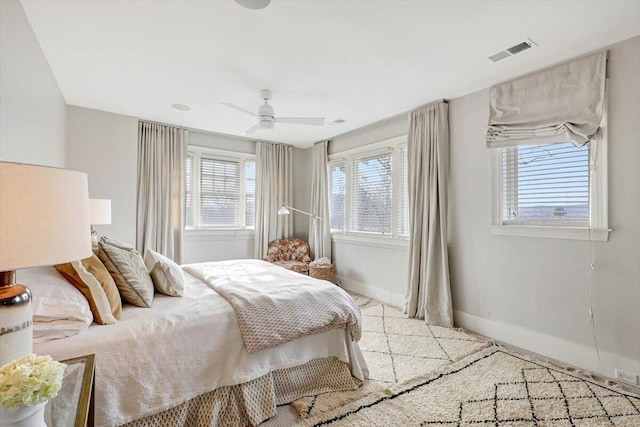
x=275, y=305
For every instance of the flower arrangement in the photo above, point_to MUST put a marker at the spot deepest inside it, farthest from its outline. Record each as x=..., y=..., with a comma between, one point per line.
x=30, y=380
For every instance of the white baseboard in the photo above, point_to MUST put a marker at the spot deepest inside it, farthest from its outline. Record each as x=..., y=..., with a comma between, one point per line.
x=384, y=295
x=569, y=352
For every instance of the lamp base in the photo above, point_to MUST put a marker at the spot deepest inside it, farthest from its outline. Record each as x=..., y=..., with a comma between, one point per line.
x=16, y=320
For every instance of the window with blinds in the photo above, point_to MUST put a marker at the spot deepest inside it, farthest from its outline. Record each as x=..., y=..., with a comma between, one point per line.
x=369, y=192
x=220, y=192
x=546, y=185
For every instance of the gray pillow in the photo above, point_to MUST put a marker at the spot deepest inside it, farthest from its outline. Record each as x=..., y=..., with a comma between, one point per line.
x=128, y=270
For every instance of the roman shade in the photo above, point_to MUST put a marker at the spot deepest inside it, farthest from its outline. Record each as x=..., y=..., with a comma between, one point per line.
x=563, y=104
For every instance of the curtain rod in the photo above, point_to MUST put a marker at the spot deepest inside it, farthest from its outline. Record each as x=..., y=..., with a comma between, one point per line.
x=386, y=119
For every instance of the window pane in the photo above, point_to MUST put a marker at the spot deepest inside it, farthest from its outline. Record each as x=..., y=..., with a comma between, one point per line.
x=189, y=193
x=219, y=192
x=337, y=199
x=546, y=184
x=250, y=193
x=371, y=193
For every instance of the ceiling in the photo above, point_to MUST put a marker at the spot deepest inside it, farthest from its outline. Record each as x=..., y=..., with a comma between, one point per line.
x=360, y=61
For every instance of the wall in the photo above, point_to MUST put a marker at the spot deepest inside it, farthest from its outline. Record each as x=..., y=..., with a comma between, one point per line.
x=302, y=159
x=376, y=269
x=532, y=292
x=105, y=145
x=32, y=108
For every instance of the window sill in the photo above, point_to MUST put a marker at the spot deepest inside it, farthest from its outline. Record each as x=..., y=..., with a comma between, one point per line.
x=194, y=235
x=570, y=233
x=376, y=241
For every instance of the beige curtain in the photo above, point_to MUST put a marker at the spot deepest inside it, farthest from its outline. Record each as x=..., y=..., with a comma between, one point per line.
x=562, y=104
x=161, y=170
x=273, y=189
x=428, y=294
x=320, y=229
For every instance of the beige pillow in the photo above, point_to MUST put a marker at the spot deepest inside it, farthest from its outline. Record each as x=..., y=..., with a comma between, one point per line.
x=127, y=268
x=167, y=276
x=91, y=278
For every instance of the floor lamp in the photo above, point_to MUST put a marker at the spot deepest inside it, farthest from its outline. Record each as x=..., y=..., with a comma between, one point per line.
x=43, y=221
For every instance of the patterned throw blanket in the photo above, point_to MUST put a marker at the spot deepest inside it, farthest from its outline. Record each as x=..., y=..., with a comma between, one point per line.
x=275, y=305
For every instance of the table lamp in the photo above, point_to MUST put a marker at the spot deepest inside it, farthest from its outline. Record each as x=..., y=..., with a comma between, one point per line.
x=43, y=221
x=99, y=213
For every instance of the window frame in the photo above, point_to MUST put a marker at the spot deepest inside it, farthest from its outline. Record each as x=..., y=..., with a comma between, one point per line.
x=392, y=239
x=597, y=229
x=198, y=152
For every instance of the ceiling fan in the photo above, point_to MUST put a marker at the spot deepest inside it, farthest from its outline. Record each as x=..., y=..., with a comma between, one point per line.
x=267, y=119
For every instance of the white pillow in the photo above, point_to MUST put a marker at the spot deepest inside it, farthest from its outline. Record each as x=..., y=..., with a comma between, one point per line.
x=167, y=276
x=53, y=298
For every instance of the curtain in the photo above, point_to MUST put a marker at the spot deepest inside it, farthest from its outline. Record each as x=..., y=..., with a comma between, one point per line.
x=161, y=170
x=428, y=294
x=562, y=104
x=273, y=189
x=320, y=229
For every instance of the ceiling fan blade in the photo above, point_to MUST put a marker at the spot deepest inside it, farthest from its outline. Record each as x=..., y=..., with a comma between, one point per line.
x=252, y=129
x=311, y=121
x=238, y=108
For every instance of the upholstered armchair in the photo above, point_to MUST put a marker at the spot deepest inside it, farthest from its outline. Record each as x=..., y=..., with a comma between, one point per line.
x=292, y=254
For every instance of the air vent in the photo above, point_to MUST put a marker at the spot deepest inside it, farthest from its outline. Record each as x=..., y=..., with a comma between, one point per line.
x=339, y=121
x=527, y=44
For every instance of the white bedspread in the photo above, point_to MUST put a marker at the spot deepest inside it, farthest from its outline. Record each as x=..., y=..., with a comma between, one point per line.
x=275, y=305
x=155, y=358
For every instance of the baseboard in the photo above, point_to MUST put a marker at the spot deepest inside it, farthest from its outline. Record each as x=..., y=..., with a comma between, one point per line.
x=565, y=351
x=383, y=295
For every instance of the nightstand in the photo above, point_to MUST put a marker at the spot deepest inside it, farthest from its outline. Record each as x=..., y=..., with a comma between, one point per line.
x=73, y=406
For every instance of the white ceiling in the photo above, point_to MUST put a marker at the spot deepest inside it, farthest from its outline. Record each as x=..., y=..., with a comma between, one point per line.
x=361, y=61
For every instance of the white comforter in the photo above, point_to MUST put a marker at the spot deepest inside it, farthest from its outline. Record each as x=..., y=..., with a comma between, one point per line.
x=156, y=358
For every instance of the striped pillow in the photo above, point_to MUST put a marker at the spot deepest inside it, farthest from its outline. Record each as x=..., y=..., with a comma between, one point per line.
x=127, y=268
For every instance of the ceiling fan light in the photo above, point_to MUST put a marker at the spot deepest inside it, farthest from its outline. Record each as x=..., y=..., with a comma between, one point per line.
x=254, y=4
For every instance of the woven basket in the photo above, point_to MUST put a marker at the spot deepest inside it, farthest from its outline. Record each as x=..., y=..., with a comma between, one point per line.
x=322, y=273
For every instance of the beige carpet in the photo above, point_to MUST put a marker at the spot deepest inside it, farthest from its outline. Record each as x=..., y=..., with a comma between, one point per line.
x=492, y=387
x=396, y=349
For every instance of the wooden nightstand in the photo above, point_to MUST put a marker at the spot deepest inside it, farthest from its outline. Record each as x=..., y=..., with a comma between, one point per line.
x=73, y=406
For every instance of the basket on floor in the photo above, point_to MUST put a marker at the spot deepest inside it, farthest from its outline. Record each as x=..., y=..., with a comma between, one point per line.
x=322, y=273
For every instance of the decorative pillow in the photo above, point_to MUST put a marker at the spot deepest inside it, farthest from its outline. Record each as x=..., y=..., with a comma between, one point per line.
x=167, y=276
x=92, y=278
x=127, y=268
x=53, y=298
x=117, y=243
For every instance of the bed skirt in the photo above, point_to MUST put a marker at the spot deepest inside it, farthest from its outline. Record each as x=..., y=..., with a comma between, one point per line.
x=251, y=403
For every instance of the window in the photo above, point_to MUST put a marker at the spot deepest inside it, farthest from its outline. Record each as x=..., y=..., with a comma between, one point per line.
x=220, y=190
x=369, y=190
x=552, y=190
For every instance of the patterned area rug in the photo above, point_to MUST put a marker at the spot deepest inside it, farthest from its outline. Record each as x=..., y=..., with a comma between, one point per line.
x=492, y=387
x=396, y=349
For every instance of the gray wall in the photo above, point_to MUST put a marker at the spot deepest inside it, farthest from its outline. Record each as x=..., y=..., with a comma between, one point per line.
x=32, y=108
x=301, y=191
x=540, y=284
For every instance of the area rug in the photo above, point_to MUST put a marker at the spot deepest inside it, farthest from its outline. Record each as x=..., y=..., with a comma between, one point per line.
x=493, y=387
x=396, y=349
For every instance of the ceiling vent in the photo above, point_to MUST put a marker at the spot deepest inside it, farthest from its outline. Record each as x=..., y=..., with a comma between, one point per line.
x=527, y=44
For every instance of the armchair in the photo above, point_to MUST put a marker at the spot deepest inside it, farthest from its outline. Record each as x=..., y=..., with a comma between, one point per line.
x=292, y=254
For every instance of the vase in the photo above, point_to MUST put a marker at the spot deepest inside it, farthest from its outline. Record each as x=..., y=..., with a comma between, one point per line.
x=23, y=416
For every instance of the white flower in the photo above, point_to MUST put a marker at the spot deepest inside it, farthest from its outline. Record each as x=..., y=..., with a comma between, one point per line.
x=30, y=380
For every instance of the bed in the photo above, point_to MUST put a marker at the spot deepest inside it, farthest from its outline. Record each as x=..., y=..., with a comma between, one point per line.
x=184, y=360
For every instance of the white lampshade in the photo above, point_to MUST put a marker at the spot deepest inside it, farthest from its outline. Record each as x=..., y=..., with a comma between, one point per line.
x=44, y=218
x=283, y=211
x=100, y=211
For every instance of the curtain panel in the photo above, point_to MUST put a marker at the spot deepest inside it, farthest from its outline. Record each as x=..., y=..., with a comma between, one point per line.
x=428, y=294
x=320, y=228
x=273, y=189
x=162, y=154
x=565, y=103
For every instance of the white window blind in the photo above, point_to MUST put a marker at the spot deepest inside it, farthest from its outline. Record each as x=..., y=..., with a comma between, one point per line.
x=371, y=193
x=337, y=177
x=189, y=208
x=546, y=185
x=250, y=193
x=402, y=193
x=219, y=192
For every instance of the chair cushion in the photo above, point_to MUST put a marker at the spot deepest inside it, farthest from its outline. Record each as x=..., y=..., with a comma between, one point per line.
x=297, y=266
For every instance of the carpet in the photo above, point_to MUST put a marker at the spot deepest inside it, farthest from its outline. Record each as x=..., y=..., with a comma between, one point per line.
x=493, y=387
x=396, y=349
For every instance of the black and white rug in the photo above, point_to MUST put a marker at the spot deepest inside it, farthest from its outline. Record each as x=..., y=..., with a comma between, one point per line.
x=491, y=387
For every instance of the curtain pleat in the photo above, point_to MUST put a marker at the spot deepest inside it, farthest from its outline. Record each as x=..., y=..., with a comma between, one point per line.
x=273, y=189
x=161, y=177
x=428, y=293
x=320, y=229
